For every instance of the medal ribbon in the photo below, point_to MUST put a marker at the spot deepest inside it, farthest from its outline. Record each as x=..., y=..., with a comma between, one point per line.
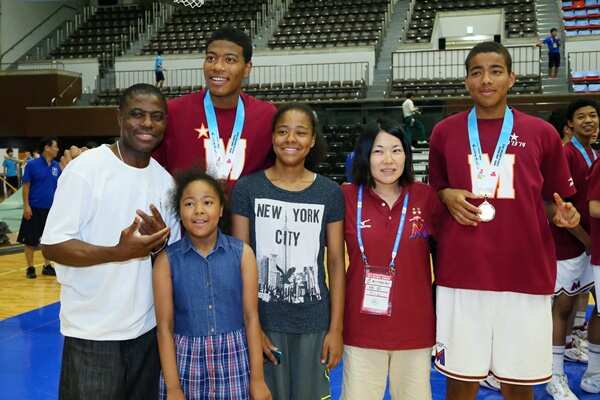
x=584, y=153
x=396, y=247
x=218, y=147
x=501, y=145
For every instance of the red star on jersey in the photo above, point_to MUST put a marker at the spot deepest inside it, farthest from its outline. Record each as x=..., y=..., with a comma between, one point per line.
x=202, y=132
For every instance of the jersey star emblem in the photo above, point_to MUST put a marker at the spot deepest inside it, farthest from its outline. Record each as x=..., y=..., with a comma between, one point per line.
x=202, y=132
x=514, y=137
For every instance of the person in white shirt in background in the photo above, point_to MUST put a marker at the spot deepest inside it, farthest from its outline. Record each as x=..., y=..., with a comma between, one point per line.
x=413, y=128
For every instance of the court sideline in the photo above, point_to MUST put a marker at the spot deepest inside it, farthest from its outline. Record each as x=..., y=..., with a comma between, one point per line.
x=31, y=344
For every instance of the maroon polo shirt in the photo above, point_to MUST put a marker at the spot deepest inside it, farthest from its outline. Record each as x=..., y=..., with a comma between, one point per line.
x=412, y=323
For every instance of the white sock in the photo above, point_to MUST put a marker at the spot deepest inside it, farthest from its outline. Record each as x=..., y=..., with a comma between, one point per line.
x=594, y=359
x=579, y=320
x=558, y=360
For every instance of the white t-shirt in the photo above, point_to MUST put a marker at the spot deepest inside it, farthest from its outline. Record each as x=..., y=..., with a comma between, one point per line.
x=408, y=108
x=97, y=197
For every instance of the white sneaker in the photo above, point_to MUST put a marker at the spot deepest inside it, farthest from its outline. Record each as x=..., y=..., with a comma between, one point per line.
x=575, y=354
x=580, y=343
x=580, y=332
x=490, y=383
x=590, y=383
x=559, y=388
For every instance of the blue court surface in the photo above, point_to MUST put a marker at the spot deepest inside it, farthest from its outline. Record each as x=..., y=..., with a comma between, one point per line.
x=31, y=345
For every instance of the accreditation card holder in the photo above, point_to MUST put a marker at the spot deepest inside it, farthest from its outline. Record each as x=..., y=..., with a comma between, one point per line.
x=378, y=287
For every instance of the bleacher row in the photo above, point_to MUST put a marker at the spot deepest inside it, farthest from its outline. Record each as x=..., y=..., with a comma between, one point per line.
x=277, y=92
x=188, y=28
x=581, y=18
x=108, y=27
x=336, y=23
x=341, y=141
x=527, y=84
x=520, y=18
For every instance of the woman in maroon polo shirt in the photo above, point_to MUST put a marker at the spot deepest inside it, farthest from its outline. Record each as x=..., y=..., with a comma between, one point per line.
x=389, y=325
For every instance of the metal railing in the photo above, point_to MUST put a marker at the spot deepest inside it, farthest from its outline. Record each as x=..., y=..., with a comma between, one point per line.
x=58, y=36
x=353, y=71
x=584, y=61
x=310, y=72
x=33, y=66
x=446, y=64
x=579, y=65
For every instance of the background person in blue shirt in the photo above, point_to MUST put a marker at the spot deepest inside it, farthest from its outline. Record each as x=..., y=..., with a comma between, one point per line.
x=158, y=69
x=553, y=44
x=39, y=184
x=10, y=165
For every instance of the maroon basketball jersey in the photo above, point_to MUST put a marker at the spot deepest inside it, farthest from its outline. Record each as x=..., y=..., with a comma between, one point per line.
x=515, y=251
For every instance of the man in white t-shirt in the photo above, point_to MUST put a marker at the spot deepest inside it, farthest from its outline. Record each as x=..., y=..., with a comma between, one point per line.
x=413, y=128
x=103, y=259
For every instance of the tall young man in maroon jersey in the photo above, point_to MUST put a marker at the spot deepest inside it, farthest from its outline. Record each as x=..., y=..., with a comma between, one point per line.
x=190, y=140
x=497, y=171
x=573, y=246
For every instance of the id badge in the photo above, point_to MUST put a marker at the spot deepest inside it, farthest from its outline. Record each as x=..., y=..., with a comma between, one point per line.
x=378, y=287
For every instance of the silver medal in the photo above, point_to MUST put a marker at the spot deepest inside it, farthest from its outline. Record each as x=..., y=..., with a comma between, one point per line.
x=488, y=212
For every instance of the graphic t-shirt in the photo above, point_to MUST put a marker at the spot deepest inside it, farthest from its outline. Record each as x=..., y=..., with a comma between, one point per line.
x=288, y=234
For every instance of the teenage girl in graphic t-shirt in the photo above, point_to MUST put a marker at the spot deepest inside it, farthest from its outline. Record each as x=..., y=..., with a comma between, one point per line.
x=389, y=218
x=288, y=213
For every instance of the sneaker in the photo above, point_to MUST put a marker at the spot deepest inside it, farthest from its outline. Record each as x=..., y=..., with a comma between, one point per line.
x=48, y=270
x=575, y=354
x=559, y=388
x=580, y=332
x=30, y=273
x=490, y=383
x=590, y=383
x=581, y=344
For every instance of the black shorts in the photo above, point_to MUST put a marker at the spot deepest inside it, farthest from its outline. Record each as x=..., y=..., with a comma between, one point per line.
x=159, y=76
x=553, y=60
x=31, y=230
x=110, y=369
x=13, y=181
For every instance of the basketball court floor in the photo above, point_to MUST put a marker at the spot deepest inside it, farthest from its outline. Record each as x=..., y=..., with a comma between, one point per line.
x=31, y=344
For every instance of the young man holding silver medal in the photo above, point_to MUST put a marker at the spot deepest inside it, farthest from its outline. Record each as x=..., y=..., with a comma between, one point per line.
x=573, y=246
x=220, y=128
x=499, y=172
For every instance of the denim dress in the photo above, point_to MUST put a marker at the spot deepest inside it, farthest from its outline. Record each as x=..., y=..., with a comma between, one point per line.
x=209, y=334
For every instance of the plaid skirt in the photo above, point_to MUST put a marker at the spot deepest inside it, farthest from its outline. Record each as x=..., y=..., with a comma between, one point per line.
x=212, y=367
